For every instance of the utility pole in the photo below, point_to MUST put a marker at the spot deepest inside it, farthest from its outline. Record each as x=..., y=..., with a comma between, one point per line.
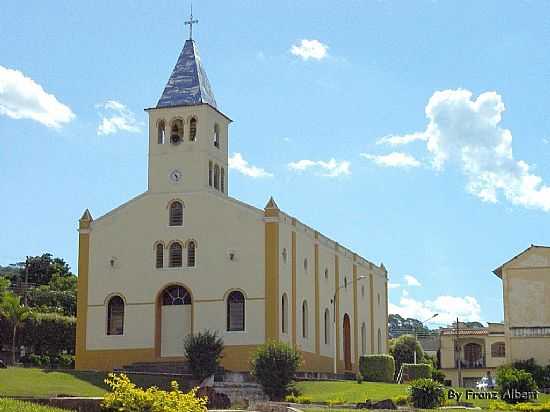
x=458, y=350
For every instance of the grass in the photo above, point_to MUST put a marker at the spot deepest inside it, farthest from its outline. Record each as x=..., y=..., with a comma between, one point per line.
x=39, y=382
x=10, y=405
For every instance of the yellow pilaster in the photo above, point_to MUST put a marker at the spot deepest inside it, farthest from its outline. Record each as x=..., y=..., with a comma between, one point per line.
x=82, y=286
x=355, y=321
x=293, y=273
x=271, y=214
x=371, y=303
x=317, y=300
x=337, y=305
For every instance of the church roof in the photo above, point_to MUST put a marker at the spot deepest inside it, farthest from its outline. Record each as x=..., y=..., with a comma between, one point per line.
x=188, y=85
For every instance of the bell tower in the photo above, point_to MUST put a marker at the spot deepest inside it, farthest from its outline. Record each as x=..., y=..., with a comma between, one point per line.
x=188, y=134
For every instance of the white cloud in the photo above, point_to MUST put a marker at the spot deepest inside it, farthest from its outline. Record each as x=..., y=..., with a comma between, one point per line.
x=466, y=131
x=395, y=140
x=116, y=117
x=394, y=285
x=411, y=281
x=448, y=307
x=22, y=98
x=330, y=168
x=237, y=163
x=310, y=49
x=394, y=159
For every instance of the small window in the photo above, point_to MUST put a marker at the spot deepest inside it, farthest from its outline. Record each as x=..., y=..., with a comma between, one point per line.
x=210, y=173
x=284, y=254
x=191, y=254
x=363, y=339
x=216, y=177
x=305, y=265
x=362, y=291
x=345, y=282
x=378, y=295
x=176, y=132
x=379, y=341
x=176, y=214
x=161, y=132
x=115, y=316
x=193, y=129
x=235, y=311
x=159, y=255
x=327, y=327
x=326, y=274
x=305, y=314
x=284, y=313
x=176, y=255
x=222, y=180
x=216, y=136
x=498, y=350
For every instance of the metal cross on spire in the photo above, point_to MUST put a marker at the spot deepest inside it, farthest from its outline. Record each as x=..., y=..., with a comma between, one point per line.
x=190, y=23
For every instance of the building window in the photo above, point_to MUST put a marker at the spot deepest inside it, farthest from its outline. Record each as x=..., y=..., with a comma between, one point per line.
x=284, y=314
x=378, y=298
x=327, y=327
x=305, y=326
x=326, y=274
x=159, y=258
x=193, y=129
x=345, y=282
x=498, y=350
x=379, y=341
x=363, y=339
x=191, y=251
x=222, y=180
x=305, y=265
x=115, y=316
x=176, y=295
x=176, y=255
x=362, y=291
x=284, y=254
x=176, y=214
x=161, y=132
x=216, y=177
x=235, y=311
x=531, y=331
x=216, y=136
x=176, y=132
x=210, y=173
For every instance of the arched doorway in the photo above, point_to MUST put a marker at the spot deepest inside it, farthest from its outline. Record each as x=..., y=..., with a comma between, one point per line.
x=347, y=343
x=175, y=306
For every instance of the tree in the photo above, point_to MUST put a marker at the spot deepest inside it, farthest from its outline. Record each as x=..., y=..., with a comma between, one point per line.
x=4, y=284
x=203, y=352
x=16, y=314
x=397, y=326
x=402, y=349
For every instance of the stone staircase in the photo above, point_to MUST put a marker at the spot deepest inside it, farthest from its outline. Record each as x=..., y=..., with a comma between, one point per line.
x=175, y=368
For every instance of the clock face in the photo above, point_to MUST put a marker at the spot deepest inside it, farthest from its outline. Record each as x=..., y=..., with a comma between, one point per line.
x=175, y=176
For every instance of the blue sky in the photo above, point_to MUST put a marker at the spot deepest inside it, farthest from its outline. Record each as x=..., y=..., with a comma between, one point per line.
x=415, y=133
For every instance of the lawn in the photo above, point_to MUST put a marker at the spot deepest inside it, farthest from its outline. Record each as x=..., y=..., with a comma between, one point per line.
x=9, y=405
x=38, y=382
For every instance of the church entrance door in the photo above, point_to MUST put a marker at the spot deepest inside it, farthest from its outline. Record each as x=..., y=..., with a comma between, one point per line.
x=176, y=318
x=347, y=343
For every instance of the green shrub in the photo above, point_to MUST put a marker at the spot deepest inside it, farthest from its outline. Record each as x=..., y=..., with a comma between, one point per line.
x=126, y=396
x=413, y=371
x=541, y=374
x=203, y=352
x=359, y=378
x=401, y=400
x=402, y=349
x=304, y=400
x=511, y=381
x=426, y=393
x=377, y=368
x=291, y=398
x=274, y=365
x=438, y=375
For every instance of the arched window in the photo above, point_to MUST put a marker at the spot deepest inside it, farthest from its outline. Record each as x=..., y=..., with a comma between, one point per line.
x=176, y=132
x=176, y=255
x=216, y=177
x=176, y=213
x=345, y=282
x=161, y=132
x=176, y=295
x=379, y=341
x=222, y=180
x=305, y=326
x=115, y=316
x=284, y=313
x=498, y=350
x=193, y=129
x=191, y=246
x=210, y=173
x=327, y=327
x=326, y=274
x=216, y=136
x=159, y=258
x=363, y=339
x=235, y=311
x=362, y=291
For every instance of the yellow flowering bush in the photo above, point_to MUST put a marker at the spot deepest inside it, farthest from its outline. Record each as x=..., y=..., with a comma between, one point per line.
x=520, y=407
x=125, y=396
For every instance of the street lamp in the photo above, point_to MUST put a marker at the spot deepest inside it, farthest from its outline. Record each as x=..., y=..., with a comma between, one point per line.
x=422, y=323
x=334, y=318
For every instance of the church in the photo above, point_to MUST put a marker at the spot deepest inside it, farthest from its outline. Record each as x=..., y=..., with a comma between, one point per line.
x=185, y=257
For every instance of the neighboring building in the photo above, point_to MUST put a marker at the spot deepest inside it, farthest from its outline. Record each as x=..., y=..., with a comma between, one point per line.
x=430, y=344
x=185, y=256
x=477, y=349
x=526, y=295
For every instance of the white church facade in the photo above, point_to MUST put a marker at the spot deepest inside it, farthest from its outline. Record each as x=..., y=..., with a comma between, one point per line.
x=184, y=256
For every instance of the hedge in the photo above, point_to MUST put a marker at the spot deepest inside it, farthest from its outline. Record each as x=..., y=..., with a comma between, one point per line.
x=413, y=371
x=377, y=368
x=42, y=333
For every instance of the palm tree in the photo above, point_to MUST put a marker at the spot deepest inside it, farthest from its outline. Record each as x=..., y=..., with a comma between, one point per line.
x=16, y=313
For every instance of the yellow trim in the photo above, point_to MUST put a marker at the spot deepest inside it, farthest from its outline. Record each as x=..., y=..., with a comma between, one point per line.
x=82, y=292
x=316, y=363
x=317, y=299
x=355, y=320
x=294, y=297
x=386, y=324
x=272, y=276
x=371, y=298
x=337, y=306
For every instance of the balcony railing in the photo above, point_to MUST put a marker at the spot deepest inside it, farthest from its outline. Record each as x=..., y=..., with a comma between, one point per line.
x=471, y=364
